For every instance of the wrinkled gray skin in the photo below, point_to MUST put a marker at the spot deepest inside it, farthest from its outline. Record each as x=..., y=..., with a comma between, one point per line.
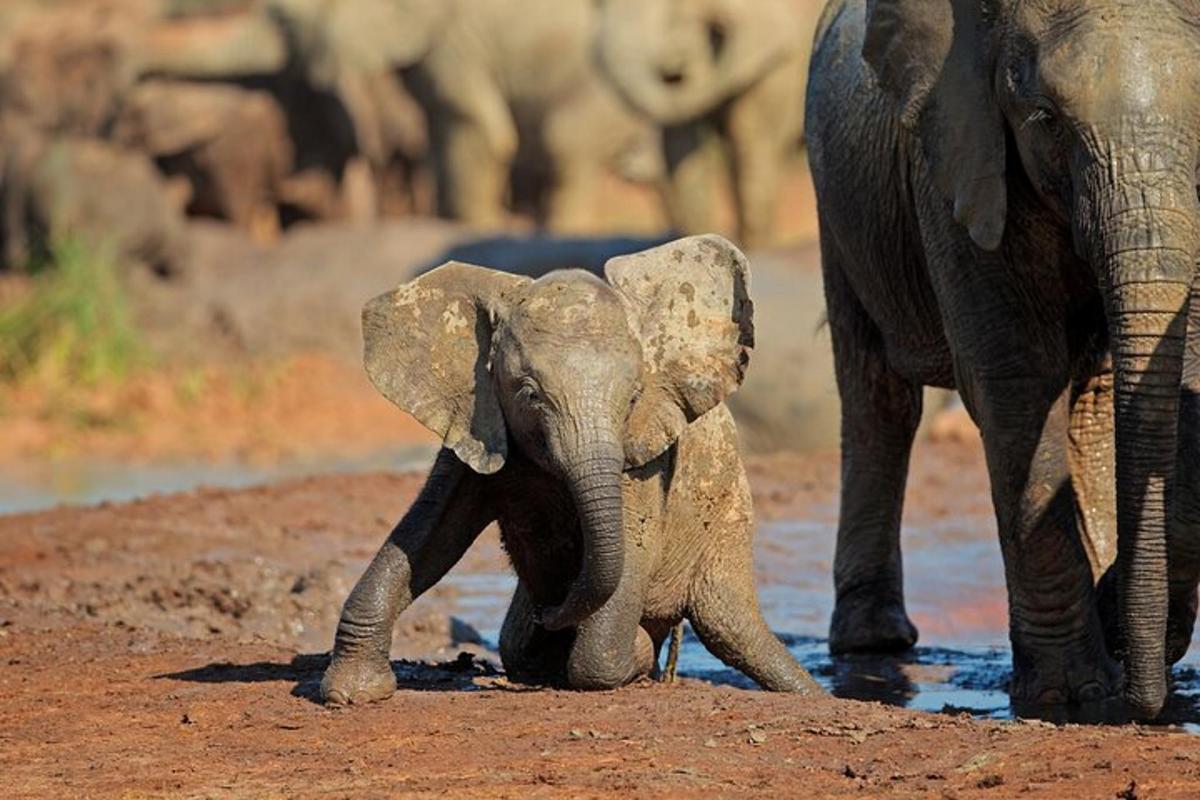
x=587, y=419
x=1011, y=203
x=715, y=69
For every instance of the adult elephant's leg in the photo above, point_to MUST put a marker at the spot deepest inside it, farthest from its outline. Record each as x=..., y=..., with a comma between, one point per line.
x=690, y=153
x=446, y=518
x=1013, y=371
x=476, y=142
x=1092, y=457
x=764, y=125
x=530, y=653
x=574, y=142
x=1184, y=532
x=880, y=414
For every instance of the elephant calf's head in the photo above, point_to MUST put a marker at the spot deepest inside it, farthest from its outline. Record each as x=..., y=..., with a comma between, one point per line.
x=583, y=377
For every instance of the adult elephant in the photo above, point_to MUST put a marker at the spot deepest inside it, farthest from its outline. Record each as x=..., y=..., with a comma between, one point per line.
x=724, y=67
x=1007, y=194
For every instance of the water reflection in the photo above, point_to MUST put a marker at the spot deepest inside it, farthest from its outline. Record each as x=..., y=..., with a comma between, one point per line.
x=85, y=483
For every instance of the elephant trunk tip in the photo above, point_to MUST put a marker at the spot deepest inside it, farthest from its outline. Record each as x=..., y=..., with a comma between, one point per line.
x=1146, y=703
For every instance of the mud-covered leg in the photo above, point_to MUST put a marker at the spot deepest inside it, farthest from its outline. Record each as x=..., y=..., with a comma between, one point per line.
x=530, y=653
x=611, y=648
x=880, y=414
x=443, y=522
x=723, y=605
x=1184, y=532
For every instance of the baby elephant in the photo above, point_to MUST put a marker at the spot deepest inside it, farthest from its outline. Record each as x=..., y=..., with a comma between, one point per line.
x=587, y=419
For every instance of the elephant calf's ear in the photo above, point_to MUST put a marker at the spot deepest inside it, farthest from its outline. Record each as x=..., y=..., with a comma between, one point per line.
x=691, y=309
x=426, y=346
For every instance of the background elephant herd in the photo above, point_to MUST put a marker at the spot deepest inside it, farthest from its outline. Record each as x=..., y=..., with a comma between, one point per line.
x=263, y=113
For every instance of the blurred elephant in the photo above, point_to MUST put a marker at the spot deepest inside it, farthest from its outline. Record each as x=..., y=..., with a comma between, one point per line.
x=725, y=68
x=84, y=190
x=332, y=68
x=64, y=67
x=498, y=93
x=483, y=83
x=228, y=146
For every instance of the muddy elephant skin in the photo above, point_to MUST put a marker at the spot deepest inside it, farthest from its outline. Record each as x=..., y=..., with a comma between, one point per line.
x=1008, y=206
x=587, y=418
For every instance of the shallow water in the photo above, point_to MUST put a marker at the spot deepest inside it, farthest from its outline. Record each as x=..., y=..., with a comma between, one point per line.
x=955, y=593
x=954, y=585
x=90, y=482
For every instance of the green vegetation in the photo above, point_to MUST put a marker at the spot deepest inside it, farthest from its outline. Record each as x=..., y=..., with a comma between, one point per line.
x=74, y=326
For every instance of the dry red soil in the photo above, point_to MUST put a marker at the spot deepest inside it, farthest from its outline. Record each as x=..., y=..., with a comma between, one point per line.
x=172, y=647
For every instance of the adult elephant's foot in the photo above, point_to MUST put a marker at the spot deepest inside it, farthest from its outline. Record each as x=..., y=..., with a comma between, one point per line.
x=354, y=681
x=868, y=620
x=1064, y=675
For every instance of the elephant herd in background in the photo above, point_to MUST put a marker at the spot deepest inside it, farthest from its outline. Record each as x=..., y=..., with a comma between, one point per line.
x=263, y=112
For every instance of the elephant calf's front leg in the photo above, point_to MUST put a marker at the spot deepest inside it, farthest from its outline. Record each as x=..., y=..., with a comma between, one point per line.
x=432, y=537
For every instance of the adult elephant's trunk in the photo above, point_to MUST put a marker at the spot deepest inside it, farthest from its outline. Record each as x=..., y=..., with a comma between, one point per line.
x=1141, y=225
x=593, y=472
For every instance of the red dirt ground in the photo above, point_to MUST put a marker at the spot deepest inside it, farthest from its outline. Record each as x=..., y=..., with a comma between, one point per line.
x=171, y=648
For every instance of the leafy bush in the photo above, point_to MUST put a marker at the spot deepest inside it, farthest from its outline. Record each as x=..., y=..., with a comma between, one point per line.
x=75, y=324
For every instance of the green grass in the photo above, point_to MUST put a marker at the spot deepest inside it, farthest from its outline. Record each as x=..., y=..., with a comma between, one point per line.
x=75, y=325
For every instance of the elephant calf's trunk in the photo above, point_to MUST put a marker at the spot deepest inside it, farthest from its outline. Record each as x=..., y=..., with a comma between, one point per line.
x=595, y=481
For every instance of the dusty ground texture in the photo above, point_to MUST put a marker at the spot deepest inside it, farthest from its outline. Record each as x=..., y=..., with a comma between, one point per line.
x=172, y=647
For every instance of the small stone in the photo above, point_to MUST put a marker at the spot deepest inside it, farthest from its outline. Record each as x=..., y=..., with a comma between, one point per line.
x=990, y=781
x=757, y=736
x=710, y=742
x=575, y=733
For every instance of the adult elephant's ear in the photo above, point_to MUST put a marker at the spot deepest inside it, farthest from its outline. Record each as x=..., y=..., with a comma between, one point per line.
x=689, y=305
x=933, y=58
x=426, y=348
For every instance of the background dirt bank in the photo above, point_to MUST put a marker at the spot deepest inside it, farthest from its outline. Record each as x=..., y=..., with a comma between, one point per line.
x=171, y=647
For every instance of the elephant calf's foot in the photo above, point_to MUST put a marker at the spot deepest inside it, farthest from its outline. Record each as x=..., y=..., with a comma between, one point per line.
x=1080, y=674
x=870, y=621
x=355, y=681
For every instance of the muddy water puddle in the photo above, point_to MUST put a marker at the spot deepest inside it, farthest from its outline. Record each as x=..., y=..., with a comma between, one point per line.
x=955, y=594
x=89, y=482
